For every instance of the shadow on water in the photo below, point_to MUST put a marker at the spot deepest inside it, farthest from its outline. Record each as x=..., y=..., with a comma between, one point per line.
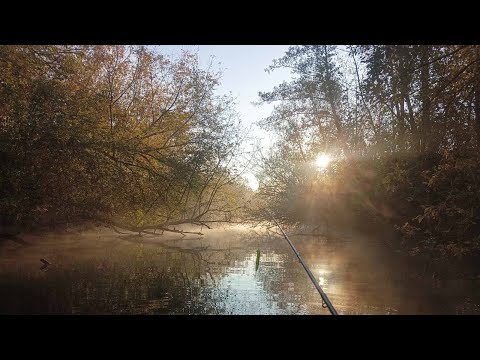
x=99, y=272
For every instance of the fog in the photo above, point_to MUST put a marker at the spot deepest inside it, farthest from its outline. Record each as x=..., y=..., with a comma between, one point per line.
x=96, y=270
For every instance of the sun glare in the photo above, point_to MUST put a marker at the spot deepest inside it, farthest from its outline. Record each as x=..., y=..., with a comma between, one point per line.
x=252, y=181
x=322, y=161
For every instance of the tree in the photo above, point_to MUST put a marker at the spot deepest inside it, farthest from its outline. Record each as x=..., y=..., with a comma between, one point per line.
x=400, y=121
x=312, y=106
x=115, y=134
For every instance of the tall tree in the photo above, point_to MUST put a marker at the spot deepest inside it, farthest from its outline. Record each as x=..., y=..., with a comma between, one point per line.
x=311, y=109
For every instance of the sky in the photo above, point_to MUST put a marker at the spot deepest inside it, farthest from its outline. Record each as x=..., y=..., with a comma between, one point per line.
x=243, y=77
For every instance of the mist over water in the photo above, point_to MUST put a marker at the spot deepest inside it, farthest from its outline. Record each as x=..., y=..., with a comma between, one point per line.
x=97, y=271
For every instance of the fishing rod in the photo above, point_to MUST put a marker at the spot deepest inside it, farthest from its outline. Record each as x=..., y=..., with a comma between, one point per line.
x=324, y=296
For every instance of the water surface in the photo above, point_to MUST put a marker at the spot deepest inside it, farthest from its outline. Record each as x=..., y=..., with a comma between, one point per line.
x=97, y=271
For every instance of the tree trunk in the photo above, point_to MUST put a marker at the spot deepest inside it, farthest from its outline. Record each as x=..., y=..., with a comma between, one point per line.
x=425, y=128
x=477, y=93
x=330, y=97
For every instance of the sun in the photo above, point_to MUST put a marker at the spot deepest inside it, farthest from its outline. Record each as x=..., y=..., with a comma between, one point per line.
x=322, y=161
x=252, y=181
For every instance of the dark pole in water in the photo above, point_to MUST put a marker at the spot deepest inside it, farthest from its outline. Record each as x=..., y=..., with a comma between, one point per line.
x=317, y=285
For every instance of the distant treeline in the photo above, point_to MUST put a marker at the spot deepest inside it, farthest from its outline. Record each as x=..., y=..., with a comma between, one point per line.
x=403, y=125
x=120, y=135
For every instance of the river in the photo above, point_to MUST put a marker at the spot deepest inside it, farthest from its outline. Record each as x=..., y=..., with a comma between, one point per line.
x=97, y=271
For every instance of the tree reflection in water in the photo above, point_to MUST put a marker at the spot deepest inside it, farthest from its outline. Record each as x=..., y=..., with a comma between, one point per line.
x=211, y=275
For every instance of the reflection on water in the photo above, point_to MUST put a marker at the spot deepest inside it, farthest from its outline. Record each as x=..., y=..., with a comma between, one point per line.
x=99, y=272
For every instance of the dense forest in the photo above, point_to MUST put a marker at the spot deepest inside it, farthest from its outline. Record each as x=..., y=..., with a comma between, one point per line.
x=115, y=135
x=126, y=137
x=402, y=125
